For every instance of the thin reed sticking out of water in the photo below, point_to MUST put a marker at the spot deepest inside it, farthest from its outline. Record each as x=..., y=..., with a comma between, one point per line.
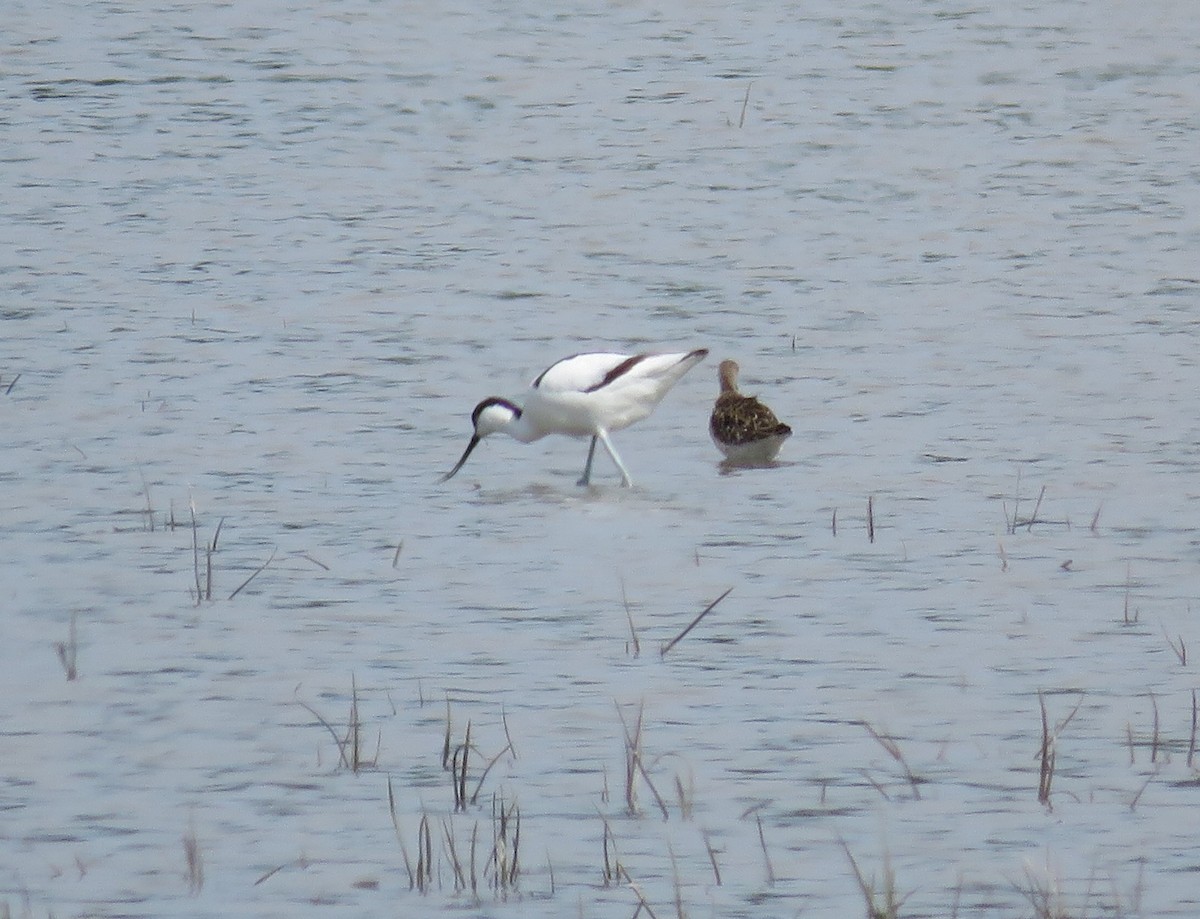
x=893, y=750
x=1192, y=739
x=194, y=859
x=633, y=635
x=456, y=867
x=1154, y=737
x=708, y=609
x=676, y=883
x=259, y=570
x=68, y=651
x=712, y=856
x=611, y=871
x=1180, y=649
x=488, y=768
x=762, y=841
x=149, y=512
x=412, y=881
x=635, y=766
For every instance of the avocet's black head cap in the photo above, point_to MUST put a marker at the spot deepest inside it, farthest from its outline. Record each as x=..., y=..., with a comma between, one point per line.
x=484, y=424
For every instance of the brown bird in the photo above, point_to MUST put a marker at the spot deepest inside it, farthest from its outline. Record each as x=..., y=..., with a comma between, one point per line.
x=744, y=429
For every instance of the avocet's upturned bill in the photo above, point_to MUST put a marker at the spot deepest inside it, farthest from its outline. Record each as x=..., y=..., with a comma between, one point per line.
x=588, y=395
x=744, y=429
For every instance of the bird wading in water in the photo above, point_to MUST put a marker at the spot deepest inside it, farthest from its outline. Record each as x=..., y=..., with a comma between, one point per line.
x=744, y=430
x=588, y=395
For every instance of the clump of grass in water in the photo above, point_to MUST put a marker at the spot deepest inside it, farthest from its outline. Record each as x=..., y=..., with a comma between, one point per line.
x=204, y=586
x=881, y=904
x=634, y=765
x=1048, y=751
x=455, y=762
x=505, y=861
x=350, y=745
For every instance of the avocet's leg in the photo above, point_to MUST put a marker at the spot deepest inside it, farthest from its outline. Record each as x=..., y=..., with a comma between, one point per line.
x=612, y=451
x=587, y=470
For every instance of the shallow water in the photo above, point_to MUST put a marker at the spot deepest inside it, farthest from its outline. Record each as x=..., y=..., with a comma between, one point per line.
x=260, y=262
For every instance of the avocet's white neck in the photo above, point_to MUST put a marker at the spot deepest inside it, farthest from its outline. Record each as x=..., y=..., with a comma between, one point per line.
x=499, y=416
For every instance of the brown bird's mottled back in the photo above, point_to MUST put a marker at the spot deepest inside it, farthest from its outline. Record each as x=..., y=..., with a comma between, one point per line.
x=744, y=429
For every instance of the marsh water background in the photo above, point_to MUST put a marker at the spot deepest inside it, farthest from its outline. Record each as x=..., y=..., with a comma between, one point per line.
x=261, y=259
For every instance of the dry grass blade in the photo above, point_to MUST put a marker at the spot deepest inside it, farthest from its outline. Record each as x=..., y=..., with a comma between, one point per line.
x=1045, y=756
x=676, y=883
x=488, y=768
x=1133, y=803
x=261, y=568
x=507, y=736
x=893, y=750
x=1191, y=754
x=460, y=877
x=1154, y=740
x=209, y=551
x=68, y=651
x=302, y=862
x=712, y=856
x=350, y=752
x=612, y=862
x=195, y=862
x=762, y=841
x=1036, y=507
x=634, y=766
x=637, y=891
x=399, y=836
x=149, y=511
x=196, y=553
x=708, y=609
x=741, y=118
x=462, y=776
x=424, y=855
x=1047, y=752
x=1180, y=649
x=633, y=635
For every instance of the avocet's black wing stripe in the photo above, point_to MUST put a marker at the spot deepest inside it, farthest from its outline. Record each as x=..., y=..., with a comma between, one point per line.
x=619, y=371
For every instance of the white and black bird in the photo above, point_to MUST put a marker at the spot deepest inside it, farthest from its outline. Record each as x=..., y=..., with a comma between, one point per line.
x=588, y=395
x=744, y=429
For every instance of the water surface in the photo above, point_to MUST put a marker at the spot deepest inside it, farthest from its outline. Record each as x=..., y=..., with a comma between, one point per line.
x=259, y=262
